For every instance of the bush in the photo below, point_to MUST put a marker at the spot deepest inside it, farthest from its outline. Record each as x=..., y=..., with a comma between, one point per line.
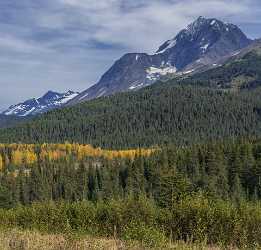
x=147, y=235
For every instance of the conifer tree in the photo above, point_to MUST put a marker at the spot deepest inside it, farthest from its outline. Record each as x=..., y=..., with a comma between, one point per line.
x=237, y=193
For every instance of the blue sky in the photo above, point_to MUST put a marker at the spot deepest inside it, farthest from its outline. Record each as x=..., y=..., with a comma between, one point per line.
x=69, y=44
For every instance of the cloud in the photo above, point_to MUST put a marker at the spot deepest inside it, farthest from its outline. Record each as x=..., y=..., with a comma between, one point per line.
x=62, y=44
x=142, y=25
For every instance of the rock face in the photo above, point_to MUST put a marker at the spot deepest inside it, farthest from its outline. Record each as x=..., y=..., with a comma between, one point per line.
x=202, y=44
x=49, y=101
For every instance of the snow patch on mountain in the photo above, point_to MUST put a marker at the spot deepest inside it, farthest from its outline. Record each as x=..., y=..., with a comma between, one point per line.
x=84, y=96
x=102, y=91
x=205, y=47
x=170, y=44
x=213, y=22
x=188, y=72
x=136, y=85
x=154, y=73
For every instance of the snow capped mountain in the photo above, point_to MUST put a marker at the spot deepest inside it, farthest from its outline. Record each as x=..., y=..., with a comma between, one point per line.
x=50, y=100
x=204, y=32
x=204, y=43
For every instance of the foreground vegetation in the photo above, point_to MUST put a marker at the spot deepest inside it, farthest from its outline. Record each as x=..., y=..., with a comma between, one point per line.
x=33, y=240
x=203, y=194
x=193, y=219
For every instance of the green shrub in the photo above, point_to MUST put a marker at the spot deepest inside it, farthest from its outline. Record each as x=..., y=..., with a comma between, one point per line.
x=149, y=236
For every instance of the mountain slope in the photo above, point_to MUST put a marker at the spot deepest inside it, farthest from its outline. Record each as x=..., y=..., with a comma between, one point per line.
x=202, y=43
x=159, y=114
x=241, y=71
x=49, y=101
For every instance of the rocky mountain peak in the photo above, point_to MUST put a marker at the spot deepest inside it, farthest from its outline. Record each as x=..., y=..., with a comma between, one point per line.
x=205, y=32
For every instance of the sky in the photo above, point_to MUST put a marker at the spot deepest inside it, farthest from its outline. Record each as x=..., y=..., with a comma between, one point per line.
x=68, y=44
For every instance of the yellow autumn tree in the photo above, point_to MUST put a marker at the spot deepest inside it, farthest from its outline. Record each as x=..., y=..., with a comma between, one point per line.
x=17, y=157
x=1, y=163
x=80, y=152
x=7, y=161
x=68, y=147
x=30, y=157
x=43, y=155
x=28, y=153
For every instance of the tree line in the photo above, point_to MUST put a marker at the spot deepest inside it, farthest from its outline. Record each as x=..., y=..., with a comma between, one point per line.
x=229, y=170
x=21, y=155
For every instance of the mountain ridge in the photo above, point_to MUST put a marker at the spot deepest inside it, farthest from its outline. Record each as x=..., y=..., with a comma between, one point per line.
x=50, y=100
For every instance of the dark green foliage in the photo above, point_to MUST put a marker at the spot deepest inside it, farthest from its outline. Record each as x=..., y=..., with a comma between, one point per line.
x=6, y=200
x=9, y=121
x=226, y=170
x=160, y=114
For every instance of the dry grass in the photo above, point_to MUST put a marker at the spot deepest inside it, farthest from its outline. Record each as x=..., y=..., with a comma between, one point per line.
x=26, y=240
x=17, y=240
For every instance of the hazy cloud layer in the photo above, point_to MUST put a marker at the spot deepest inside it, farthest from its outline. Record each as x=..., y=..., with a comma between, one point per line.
x=68, y=44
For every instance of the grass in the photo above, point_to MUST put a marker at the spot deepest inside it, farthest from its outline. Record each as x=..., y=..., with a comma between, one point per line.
x=32, y=240
x=26, y=240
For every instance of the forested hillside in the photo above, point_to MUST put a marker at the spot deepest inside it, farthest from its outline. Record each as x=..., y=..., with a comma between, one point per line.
x=163, y=113
x=9, y=121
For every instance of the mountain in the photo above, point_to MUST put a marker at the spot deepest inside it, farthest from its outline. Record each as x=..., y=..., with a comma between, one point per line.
x=49, y=101
x=203, y=43
x=188, y=109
